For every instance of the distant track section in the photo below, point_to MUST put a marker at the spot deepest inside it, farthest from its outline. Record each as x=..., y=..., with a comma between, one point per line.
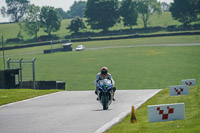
x=97, y=48
x=100, y=39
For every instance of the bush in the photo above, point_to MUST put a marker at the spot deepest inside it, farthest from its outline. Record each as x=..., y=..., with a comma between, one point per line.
x=47, y=38
x=13, y=40
x=171, y=28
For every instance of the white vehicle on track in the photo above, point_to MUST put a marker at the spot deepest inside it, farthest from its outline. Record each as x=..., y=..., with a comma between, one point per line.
x=80, y=48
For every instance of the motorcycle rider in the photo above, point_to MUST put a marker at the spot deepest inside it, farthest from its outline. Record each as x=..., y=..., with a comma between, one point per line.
x=103, y=74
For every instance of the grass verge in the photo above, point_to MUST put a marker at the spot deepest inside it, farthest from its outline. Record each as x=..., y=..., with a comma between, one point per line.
x=14, y=95
x=189, y=125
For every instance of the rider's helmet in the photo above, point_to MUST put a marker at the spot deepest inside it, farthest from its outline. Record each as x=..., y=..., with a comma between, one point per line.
x=104, y=71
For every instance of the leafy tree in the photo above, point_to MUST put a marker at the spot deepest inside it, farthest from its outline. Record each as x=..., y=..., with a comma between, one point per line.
x=102, y=14
x=62, y=13
x=16, y=9
x=129, y=13
x=69, y=15
x=3, y=11
x=19, y=34
x=77, y=9
x=146, y=8
x=31, y=24
x=198, y=5
x=185, y=11
x=50, y=19
x=76, y=24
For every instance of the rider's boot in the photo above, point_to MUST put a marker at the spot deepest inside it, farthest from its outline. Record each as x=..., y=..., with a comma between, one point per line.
x=113, y=99
x=114, y=89
x=96, y=92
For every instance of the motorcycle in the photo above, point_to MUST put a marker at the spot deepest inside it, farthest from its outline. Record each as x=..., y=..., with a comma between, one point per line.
x=105, y=93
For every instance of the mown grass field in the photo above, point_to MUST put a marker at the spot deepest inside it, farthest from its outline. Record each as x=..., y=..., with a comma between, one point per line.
x=164, y=20
x=189, y=125
x=132, y=68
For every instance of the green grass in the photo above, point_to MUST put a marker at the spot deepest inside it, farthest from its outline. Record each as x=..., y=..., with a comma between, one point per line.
x=143, y=41
x=189, y=125
x=131, y=68
x=163, y=20
x=11, y=30
x=14, y=95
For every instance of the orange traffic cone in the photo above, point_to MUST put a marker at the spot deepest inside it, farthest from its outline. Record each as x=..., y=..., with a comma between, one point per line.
x=133, y=115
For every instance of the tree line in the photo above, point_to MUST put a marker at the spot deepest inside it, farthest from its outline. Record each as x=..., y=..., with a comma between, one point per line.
x=101, y=14
x=104, y=14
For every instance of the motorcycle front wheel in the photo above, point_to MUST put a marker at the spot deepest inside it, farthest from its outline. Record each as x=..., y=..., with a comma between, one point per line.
x=105, y=100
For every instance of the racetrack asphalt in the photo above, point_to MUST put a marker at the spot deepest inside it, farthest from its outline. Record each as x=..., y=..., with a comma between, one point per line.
x=69, y=112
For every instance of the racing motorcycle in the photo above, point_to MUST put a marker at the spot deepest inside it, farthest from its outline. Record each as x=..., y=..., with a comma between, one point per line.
x=105, y=93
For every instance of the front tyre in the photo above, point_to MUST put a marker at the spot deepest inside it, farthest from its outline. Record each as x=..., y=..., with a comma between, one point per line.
x=105, y=100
